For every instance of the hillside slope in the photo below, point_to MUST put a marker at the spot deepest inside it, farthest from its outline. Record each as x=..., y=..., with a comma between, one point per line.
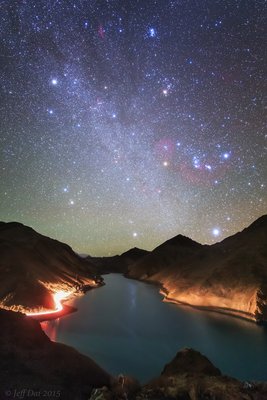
x=33, y=266
x=30, y=361
x=230, y=276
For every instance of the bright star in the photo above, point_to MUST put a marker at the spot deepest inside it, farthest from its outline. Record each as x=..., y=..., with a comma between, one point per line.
x=152, y=32
x=54, y=81
x=135, y=234
x=216, y=232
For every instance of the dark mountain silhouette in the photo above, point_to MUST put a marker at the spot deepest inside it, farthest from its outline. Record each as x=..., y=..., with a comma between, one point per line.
x=118, y=263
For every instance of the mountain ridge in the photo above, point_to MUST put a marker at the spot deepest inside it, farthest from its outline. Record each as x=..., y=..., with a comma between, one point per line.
x=229, y=276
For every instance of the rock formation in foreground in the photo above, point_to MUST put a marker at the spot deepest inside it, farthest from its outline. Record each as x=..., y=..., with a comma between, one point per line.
x=230, y=276
x=33, y=266
x=29, y=360
x=189, y=376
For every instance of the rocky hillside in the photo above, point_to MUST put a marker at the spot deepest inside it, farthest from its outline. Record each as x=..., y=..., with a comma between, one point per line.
x=230, y=276
x=30, y=361
x=32, y=266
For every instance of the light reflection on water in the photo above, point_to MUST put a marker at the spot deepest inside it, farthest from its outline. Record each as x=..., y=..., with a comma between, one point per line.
x=125, y=327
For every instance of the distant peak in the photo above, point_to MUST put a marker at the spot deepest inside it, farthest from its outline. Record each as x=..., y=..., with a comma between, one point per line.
x=135, y=251
x=181, y=240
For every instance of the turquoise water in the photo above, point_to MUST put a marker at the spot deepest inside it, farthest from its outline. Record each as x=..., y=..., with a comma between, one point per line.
x=126, y=328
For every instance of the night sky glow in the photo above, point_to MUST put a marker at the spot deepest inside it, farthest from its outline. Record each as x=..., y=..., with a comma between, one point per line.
x=126, y=122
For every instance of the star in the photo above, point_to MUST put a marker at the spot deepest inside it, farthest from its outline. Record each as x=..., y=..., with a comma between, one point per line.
x=152, y=32
x=216, y=232
x=115, y=113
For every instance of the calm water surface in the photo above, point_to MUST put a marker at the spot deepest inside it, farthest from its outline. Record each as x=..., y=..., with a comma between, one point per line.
x=126, y=328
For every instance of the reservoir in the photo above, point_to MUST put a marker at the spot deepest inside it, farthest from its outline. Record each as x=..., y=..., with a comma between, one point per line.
x=126, y=328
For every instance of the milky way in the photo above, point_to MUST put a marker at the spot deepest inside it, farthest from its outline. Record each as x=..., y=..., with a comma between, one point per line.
x=124, y=123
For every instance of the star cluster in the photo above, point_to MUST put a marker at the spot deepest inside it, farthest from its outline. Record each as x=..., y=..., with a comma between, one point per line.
x=124, y=123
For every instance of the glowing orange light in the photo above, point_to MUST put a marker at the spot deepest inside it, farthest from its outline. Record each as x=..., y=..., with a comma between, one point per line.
x=58, y=298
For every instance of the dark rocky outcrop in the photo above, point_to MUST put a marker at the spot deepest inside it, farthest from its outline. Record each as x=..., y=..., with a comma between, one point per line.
x=32, y=264
x=29, y=360
x=190, y=361
x=189, y=376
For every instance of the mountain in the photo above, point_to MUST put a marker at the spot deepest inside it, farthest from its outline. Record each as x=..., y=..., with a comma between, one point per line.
x=118, y=263
x=229, y=277
x=33, y=266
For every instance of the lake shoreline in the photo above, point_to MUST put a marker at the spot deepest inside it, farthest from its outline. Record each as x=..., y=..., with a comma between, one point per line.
x=166, y=299
x=228, y=312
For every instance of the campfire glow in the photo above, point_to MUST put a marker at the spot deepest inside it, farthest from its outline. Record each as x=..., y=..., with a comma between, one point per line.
x=58, y=298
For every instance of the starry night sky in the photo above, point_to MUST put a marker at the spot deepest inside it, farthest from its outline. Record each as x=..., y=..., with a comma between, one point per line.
x=124, y=123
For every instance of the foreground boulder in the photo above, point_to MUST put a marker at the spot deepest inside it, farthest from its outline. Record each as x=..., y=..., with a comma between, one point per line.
x=189, y=376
